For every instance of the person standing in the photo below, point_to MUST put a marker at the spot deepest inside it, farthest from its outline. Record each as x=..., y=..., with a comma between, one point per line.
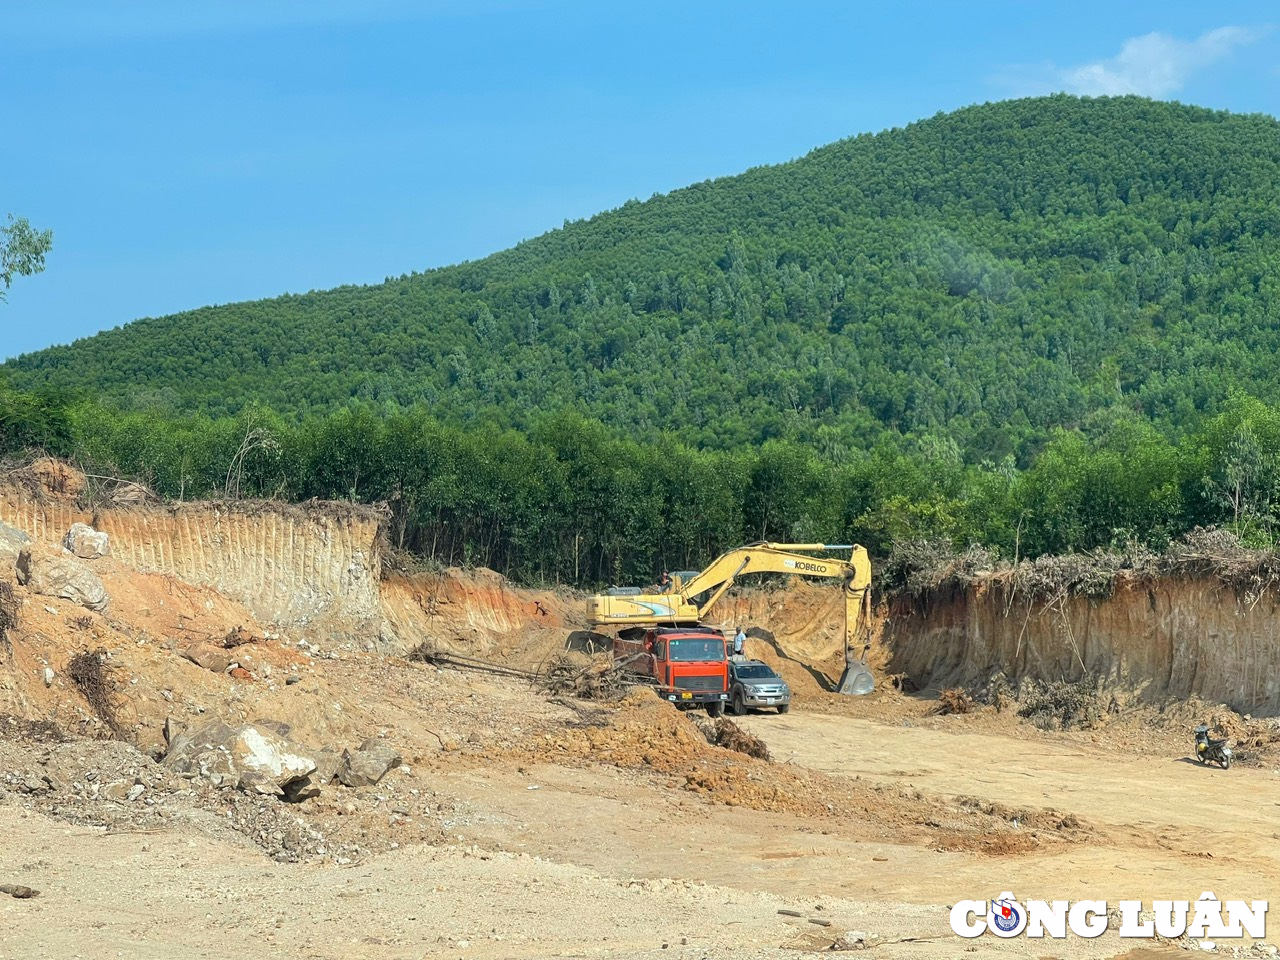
x=739, y=642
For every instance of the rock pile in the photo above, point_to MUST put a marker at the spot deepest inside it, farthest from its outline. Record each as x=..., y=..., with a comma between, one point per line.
x=252, y=757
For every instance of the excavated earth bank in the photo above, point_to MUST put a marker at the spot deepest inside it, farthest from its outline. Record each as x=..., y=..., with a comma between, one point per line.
x=1157, y=638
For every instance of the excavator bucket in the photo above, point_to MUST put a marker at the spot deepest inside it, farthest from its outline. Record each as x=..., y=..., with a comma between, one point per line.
x=856, y=681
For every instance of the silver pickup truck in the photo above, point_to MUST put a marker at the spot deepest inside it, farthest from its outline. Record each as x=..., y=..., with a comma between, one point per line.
x=754, y=684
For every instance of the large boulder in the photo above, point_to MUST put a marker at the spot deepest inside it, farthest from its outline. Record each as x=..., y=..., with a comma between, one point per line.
x=368, y=765
x=12, y=541
x=86, y=542
x=252, y=757
x=60, y=575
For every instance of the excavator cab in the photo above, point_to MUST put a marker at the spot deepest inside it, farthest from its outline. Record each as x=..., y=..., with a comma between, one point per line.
x=680, y=578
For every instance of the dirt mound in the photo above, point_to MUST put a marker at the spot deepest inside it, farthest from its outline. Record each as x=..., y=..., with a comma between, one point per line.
x=803, y=621
x=114, y=785
x=646, y=735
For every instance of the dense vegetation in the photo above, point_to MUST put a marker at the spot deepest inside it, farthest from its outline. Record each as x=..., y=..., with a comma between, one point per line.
x=1043, y=325
x=979, y=278
x=571, y=502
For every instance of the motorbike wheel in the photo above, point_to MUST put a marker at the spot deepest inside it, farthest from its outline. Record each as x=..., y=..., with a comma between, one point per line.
x=1226, y=763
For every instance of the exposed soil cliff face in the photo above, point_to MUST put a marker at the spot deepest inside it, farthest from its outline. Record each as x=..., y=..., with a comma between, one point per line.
x=478, y=613
x=1173, y=637
x=314, y=566
x=316, y=570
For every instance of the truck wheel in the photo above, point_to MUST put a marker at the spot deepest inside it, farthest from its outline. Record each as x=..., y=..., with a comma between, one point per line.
x=784, y=707
x=715, y=709
x=739, y=705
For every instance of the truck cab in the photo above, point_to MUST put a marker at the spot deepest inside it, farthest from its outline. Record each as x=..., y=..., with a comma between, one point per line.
x=689, y=664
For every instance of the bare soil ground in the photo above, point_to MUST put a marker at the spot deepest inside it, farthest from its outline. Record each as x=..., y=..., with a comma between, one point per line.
x=527, y=825
x=523, y=828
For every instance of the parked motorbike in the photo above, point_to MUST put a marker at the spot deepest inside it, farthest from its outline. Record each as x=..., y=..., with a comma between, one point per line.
x=1212, y=751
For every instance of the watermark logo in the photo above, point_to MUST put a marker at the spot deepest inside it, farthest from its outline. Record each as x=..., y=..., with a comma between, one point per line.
x=1005, y=918
x=1205, y=917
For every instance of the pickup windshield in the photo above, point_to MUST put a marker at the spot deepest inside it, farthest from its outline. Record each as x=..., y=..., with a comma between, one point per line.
x=686, y=650
x=757, y=671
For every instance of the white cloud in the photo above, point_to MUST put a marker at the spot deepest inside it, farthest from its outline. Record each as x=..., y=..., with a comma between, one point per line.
x=1153, y=65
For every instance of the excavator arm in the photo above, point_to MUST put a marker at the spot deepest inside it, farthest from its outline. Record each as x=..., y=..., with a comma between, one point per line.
x=678, y=605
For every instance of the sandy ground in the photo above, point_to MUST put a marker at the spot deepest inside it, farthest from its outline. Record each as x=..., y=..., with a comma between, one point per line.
x=1168, y=827
x=565, y=839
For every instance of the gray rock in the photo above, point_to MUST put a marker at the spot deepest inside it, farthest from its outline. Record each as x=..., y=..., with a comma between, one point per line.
x=33, y=784
x=62, y=576
x=250, y=758
x=304, y=789
x=136, y=791
x=86, y=542
x=12, y=540
x=328, y=760
x=852, y=940
x=368, y=765
x=173, y=729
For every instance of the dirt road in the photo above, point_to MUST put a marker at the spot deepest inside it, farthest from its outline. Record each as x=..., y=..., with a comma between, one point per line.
x=1167, y=827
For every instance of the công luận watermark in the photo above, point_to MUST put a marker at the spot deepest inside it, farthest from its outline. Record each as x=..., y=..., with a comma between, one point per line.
x=1205, y=917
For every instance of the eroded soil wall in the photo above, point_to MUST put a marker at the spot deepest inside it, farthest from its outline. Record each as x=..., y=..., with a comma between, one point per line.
x=315, y=565
x=1173, y=637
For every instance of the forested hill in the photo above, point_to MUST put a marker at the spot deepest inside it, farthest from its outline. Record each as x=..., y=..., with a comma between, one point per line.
x=984, y=275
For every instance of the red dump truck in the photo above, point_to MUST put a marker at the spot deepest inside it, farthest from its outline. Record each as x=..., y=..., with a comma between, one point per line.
x=689, y=664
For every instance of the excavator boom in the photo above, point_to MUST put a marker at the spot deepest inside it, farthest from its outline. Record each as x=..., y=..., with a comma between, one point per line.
x=679, y=605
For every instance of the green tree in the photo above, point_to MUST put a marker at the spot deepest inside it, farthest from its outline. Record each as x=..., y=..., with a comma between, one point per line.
x=22, y=250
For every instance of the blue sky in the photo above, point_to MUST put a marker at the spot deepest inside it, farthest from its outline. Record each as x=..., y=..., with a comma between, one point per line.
x=192, y=154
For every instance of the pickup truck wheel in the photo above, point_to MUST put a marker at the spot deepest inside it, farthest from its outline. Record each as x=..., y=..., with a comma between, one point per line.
x=715, y=709
x=784, y=707
x=739, y=705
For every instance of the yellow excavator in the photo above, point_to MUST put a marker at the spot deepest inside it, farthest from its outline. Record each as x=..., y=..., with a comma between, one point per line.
x=688, y=596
